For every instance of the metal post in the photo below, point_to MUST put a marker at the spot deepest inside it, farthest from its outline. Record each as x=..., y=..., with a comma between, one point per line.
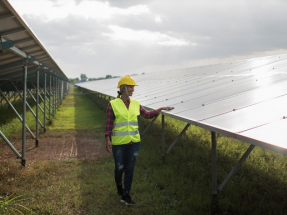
x=55, y=95
x=45, y=97
x=214, y=162
x=215, y=207
x=24, y=114
x=50, y=96
x=62, y=91
x=162, y=137
x=37, y=108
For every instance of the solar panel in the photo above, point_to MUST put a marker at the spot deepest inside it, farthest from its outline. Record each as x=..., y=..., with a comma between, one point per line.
x=18, y=44
x=241, y=98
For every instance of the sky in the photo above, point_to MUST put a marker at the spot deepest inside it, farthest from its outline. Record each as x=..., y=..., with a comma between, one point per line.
x=120, y=37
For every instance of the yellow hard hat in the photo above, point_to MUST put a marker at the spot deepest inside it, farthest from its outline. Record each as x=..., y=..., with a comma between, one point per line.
x=128, y=80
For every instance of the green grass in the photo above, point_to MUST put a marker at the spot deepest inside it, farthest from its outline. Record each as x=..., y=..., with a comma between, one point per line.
x=179, y=185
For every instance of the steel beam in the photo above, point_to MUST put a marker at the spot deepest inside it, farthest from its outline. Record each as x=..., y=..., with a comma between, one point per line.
x=39, y=96
x=162, y=137
x=33, y=113
x=16, y=112
x=50, y=95
x=10, y=145
x=37, y=108
x=214, y=162
x=6, y=45
x=45, y=98
x=178, y=137
x=17, y=63
x=35, y=100
x=146, y=129
x=236, y=167
x=24, y=115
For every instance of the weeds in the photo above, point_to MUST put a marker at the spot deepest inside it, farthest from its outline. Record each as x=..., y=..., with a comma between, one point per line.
x=11, y=205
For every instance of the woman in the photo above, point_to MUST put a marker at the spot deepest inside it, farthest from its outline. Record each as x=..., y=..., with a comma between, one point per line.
x=122, y=135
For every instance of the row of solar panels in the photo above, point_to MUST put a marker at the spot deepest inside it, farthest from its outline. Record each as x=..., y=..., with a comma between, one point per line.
x=20, y=46
x=245, y=99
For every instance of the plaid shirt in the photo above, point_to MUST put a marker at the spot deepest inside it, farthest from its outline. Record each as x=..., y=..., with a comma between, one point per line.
x=111, y=116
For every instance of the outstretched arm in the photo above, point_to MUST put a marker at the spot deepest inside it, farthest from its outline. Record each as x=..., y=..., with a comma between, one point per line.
x=151, y=114
x=164, y=108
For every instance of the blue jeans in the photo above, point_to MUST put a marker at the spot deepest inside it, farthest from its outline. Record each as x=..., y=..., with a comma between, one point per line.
x=125, y=159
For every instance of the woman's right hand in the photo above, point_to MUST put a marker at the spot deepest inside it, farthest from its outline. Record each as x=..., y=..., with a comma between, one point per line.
x=108, y=144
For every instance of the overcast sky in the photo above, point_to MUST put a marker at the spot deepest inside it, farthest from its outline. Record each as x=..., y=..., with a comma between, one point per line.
x=119, y=37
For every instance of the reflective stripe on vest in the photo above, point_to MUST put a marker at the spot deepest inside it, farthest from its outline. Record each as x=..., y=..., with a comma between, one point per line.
x=125, y=125
x=124, y=133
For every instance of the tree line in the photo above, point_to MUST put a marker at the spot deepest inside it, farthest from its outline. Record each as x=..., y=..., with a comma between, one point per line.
x=84, y=78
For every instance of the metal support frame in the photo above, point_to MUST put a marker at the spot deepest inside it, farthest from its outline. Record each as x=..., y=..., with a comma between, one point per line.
x=35, y=100
x=23, y=162
x=5, y=45
x=37, y=107
x=39, y=95
x=215, y=189
x=178, y=137
x=17, y=114
x=162, y=137
x=10, y=145
x=21, y=96
x=149, y=125
x=236, y=167
x=45, y=98
x=54, y=94
x=214, y=162
x=50, y=96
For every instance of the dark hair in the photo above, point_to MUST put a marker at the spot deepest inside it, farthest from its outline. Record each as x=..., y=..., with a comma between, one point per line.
x=119, y=94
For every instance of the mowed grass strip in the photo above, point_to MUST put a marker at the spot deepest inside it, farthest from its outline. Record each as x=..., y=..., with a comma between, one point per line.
x=179, y=185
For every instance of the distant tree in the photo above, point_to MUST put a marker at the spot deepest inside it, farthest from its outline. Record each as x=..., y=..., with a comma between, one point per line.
x=83, y=77
x=74, y=80
x=108, y=76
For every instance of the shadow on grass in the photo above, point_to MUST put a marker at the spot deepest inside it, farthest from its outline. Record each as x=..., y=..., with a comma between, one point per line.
x=258, y=188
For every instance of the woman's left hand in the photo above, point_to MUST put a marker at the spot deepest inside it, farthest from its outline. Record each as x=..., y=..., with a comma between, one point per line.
x=164, y=108
x=168, y=108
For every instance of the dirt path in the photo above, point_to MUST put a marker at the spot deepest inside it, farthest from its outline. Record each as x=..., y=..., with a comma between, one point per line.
x=56, y=148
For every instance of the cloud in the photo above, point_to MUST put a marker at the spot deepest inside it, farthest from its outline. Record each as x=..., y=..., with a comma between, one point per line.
x=124, y=37
x=126, y=3
x=147, y=37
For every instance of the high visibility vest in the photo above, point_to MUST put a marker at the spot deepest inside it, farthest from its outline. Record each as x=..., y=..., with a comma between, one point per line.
x=126, y=122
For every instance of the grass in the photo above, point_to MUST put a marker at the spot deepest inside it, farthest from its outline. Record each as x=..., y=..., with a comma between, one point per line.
x=179, y=185
x=11, y=204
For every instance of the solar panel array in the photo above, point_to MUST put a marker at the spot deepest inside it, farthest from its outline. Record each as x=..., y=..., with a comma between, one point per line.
x=19, y=44
x=245, y=99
